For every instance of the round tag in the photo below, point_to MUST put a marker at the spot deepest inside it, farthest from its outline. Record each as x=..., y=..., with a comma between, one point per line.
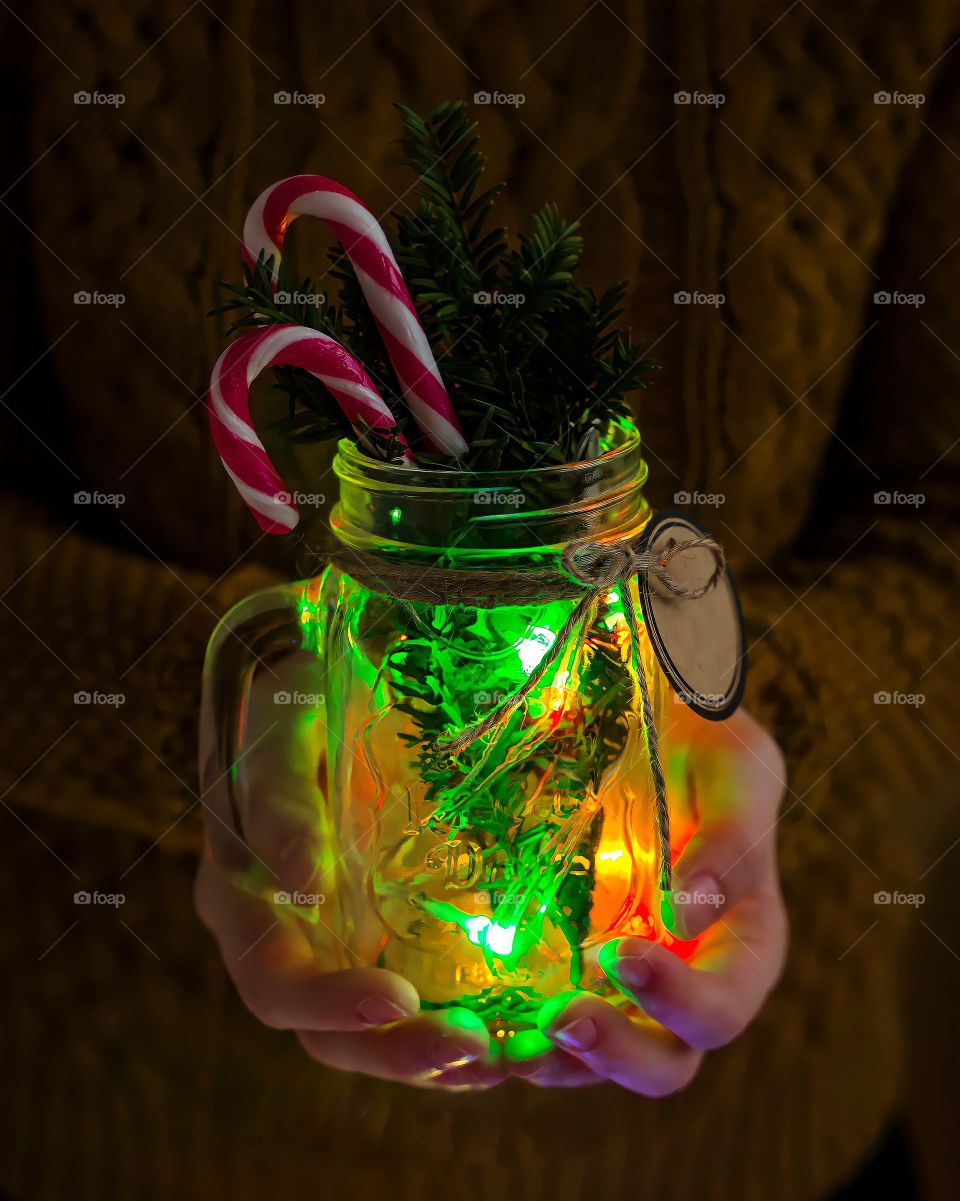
x=699, y=643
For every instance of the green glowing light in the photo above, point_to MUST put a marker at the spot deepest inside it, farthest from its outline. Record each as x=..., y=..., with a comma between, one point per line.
x=475, y=928
x=533, y=647
x=491, y=936
x=499, y=939
x=396, y=515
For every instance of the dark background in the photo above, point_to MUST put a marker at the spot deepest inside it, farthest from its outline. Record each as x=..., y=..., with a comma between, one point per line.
x=820, y=196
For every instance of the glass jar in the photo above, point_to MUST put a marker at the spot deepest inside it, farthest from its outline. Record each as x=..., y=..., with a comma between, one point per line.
x=490, y=878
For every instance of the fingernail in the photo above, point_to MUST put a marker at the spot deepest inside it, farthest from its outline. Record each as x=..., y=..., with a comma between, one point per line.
x=632, y=970
x=448, y=1053
x=580, y=1034
x=378, y=1011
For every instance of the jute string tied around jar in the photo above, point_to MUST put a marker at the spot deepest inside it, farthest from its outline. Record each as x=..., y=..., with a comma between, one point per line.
x=586, y=570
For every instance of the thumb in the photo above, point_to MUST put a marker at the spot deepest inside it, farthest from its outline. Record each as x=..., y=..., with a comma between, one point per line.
x=738, y=778
x=717, y=869
x=265, y=808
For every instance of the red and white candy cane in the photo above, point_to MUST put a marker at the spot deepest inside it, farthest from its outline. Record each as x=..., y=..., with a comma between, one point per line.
x=369, y=251
x=228, y=405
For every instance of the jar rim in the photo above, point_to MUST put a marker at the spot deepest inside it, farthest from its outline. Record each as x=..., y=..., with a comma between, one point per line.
x=483, y=518
x=351, y=462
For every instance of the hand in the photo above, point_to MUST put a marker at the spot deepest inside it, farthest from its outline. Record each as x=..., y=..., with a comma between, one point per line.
x=736, y=776
x=360, y=1019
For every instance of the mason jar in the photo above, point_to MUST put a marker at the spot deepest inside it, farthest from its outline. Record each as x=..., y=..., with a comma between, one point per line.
x=489, y=876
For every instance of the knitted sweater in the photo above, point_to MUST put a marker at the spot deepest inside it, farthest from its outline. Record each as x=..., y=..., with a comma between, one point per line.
x=131, y=1068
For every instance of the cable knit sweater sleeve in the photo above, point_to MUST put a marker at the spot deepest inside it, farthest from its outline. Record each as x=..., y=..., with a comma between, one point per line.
x=102, y=650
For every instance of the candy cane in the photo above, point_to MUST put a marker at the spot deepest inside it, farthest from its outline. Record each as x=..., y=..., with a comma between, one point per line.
x=228, y=404
x=369, y=251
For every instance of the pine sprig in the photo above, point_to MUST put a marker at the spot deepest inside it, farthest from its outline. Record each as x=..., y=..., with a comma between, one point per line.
x=542, y=269
x=536, y=363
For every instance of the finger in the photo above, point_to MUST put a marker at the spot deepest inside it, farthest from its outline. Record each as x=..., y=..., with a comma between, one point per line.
x=720, y=867
x=534, y=1058
x=483, y=1074
x=269, y=802
x=471, y=1079
x=635, y=1053
x=279, y=776
x=737, y=778
x=711, y=999
x=278, y=975
x=564, y=1071
x=422, y=1048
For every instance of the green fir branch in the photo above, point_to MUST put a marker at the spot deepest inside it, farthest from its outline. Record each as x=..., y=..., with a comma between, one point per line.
x=535, y=362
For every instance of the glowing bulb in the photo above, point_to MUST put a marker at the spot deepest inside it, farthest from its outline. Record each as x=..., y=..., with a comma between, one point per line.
x=559, y=693
x=484, y=933
x=499, y=939
x=532, y=648
x=475, y=928
x=395, y=515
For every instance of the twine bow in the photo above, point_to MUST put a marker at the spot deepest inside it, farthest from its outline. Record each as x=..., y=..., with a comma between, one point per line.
x=600, y=565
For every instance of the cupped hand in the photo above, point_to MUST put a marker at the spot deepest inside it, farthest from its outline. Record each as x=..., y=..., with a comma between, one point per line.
x=365, y=1019
x=355, y=1018
x=726, y=895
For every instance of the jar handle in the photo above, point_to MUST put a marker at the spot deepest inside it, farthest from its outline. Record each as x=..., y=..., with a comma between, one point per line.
x=265, y=626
